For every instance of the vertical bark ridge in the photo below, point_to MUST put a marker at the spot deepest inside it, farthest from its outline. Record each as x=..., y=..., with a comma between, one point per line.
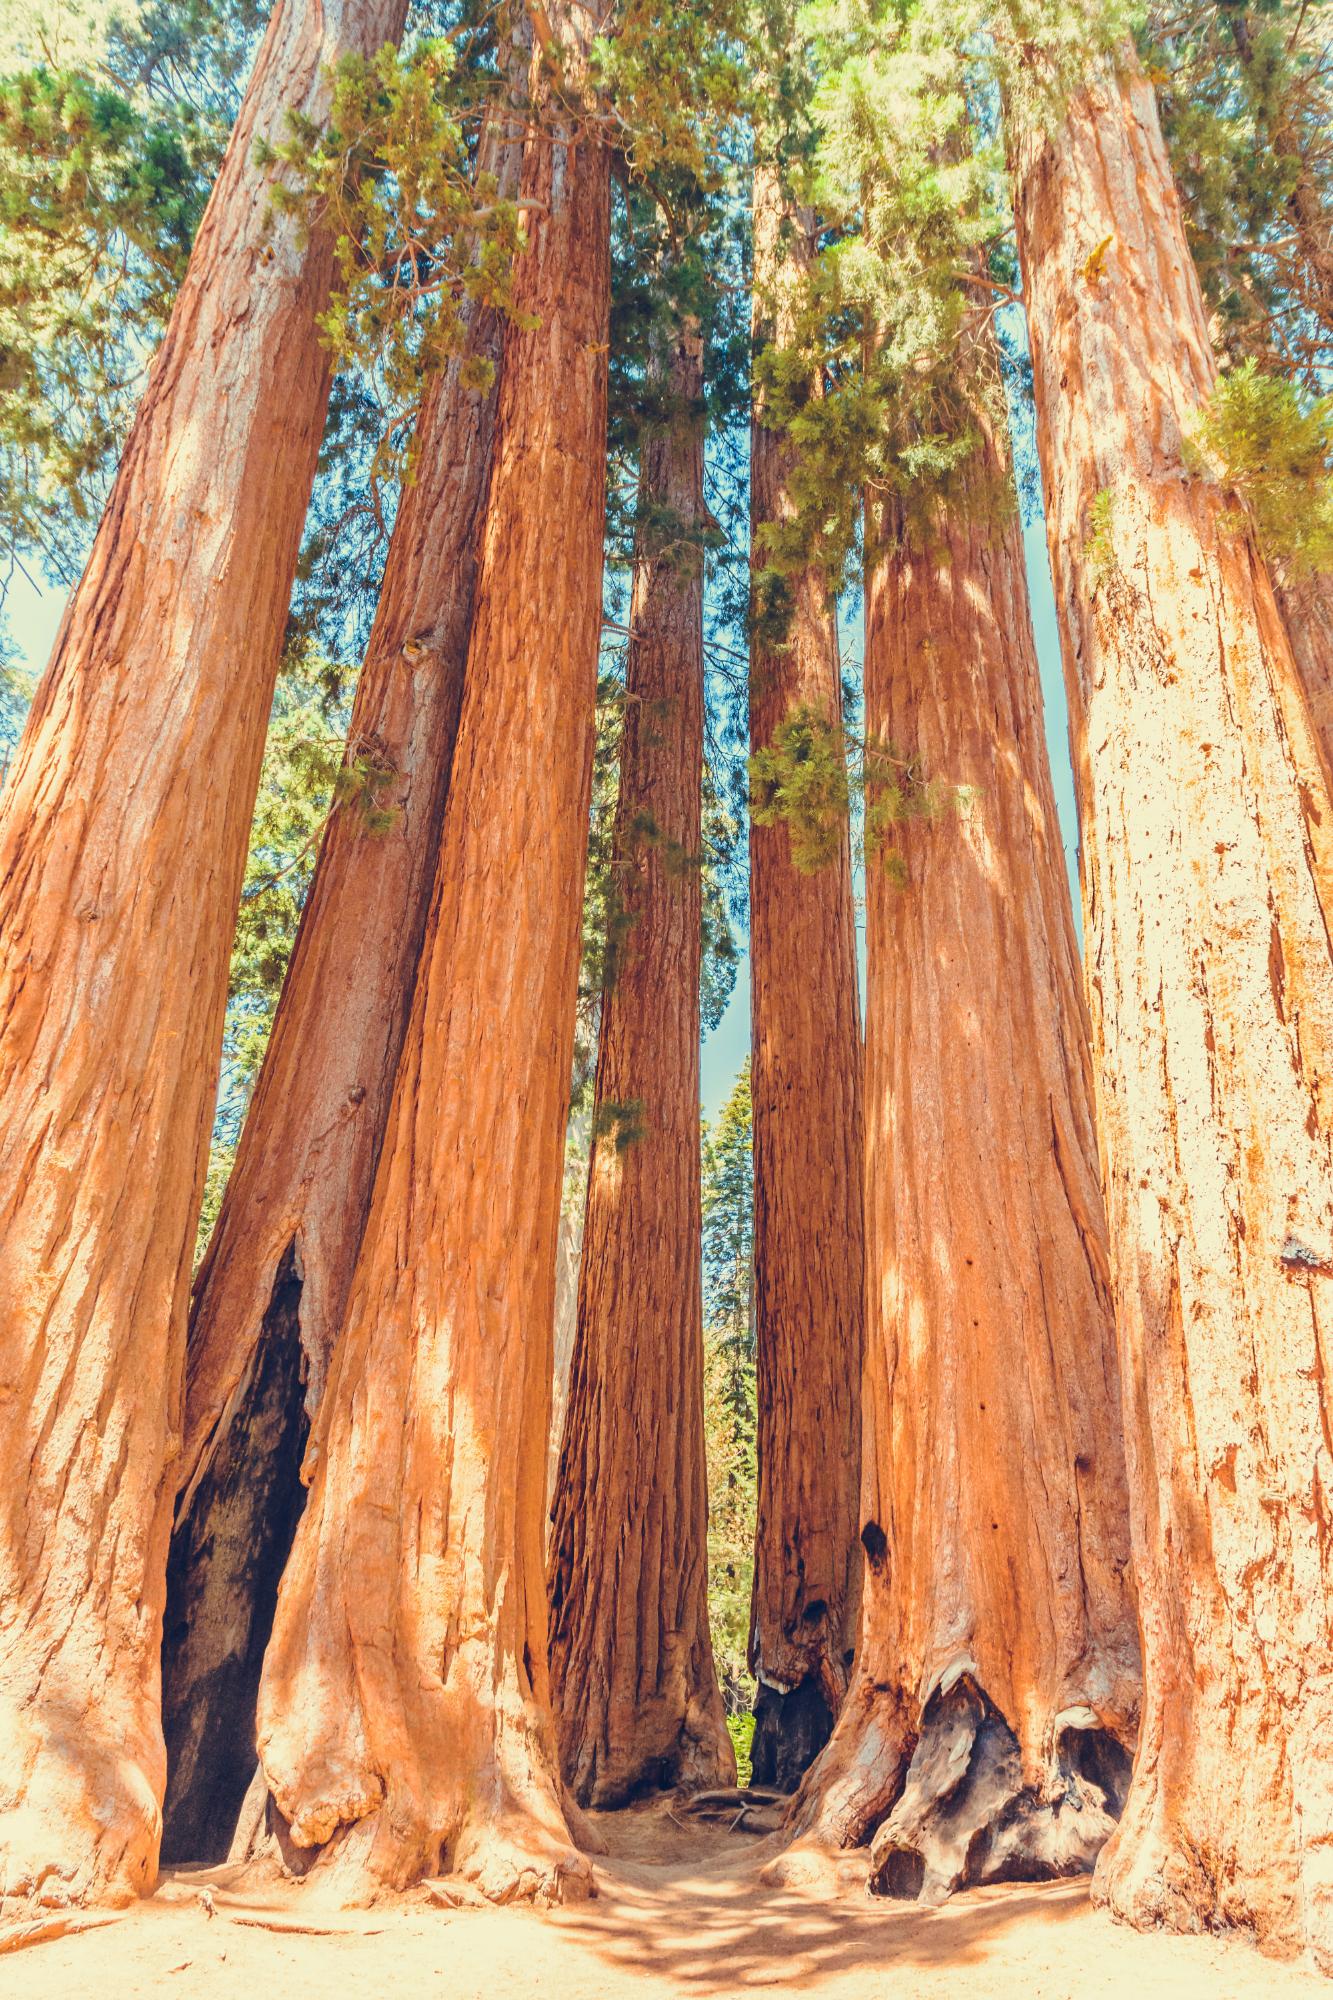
x=1205, y=816
x=806, y=1083
x=404, y=1710
x=123, y=836
x=986, y=1734
x=305, y=1166
x=632, y=1671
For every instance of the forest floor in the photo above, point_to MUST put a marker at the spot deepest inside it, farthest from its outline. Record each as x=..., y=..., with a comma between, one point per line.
x=681, y=1914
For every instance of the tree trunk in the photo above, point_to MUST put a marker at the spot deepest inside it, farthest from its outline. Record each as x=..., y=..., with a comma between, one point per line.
x=636, y=1694
x=404, y=1711
x=806, y=1081
x=280, y=1261
x=1206, y=887
x=1306, y=604
x=988, y=1727
x=122, y=847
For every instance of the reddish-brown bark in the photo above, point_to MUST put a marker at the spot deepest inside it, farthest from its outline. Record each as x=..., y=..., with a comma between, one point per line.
x=122, y=846
x=636, y=1695
x=806, y=1083
x=1206, y=818
x=404, y=1712
x=988, y=1727
x=281, y=1257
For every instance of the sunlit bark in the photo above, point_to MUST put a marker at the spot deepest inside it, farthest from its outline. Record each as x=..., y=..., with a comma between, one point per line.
x=404, y=1715
x=987, y=1731
x=1206, y=820
x=122, y=845
x=281, y=1258
x=806, y=1081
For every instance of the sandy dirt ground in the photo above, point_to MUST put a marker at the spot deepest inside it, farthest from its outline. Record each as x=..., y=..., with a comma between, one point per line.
x=697, y=1924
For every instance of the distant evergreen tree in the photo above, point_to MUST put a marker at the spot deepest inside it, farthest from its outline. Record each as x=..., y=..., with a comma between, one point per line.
x=729, y=1394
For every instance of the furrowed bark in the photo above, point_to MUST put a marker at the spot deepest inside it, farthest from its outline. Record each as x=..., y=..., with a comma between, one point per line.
x=122, y=845
x=404, y=1713
x=1206, y=818
x=636, y=1695
x=281, y=1257
x=988, y=1729
x=806, y=1081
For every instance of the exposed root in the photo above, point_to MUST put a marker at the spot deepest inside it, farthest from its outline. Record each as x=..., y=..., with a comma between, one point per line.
x=958, y=1810
x=518, y=1858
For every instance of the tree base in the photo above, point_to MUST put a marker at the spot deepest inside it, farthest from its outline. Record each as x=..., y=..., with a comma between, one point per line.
x=518, y=1859
x=228, y=1551
x=791, y=1727
x=1152, y=1878
x=967, y=1816
x=79, y=1829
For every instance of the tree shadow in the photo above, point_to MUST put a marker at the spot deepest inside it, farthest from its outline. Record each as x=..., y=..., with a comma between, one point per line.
x=714, y=1932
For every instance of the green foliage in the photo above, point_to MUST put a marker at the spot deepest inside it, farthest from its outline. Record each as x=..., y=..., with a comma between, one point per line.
x=740, y=1728
x=669, y=79
x=16, y=691
x=417, y=237
x=623, y=1124
x=113, y=119
x=729, y=1388
x=301, y=772
x=1246, y=98
x=878, y=381
x=799, y=780
x=1099, y=548
x=898, y=792
x=1273, y=443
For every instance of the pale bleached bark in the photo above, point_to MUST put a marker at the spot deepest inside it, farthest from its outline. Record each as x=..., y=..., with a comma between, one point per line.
x=122, y=845
x=1206, y=819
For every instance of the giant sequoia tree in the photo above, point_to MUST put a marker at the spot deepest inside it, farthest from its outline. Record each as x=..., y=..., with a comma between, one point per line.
x=631, y=1660
x=1205, y=821
x=270, y=1295
x=404, y=1714
x=123, y=839
x=989, y=1724
x=806, y=1084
